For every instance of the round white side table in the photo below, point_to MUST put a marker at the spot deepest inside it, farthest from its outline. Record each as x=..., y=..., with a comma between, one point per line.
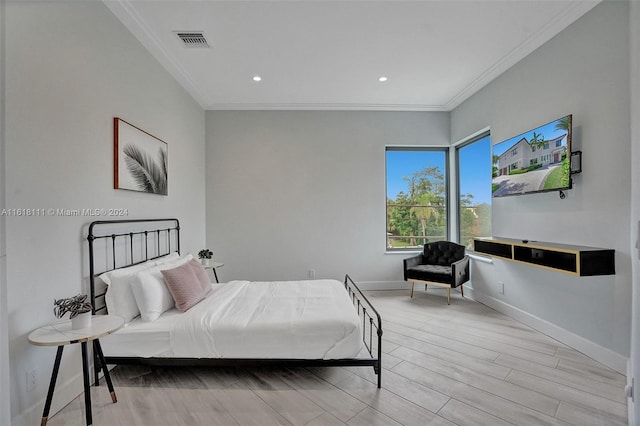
x=60, y=334
x=213, y=266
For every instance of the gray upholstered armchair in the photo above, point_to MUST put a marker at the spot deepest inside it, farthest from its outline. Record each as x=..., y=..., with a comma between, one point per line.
x=442, y=263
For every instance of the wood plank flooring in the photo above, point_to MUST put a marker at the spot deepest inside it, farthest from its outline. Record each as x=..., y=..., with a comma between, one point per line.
x=458, y=364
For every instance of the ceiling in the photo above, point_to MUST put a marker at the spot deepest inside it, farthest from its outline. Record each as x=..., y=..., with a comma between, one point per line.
x=329, y=55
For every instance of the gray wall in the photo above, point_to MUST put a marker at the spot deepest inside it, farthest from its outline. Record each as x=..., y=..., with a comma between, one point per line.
x=70, y=68
x=634, y=18
x=5, y=412
x=583, y=71
x=293, y=191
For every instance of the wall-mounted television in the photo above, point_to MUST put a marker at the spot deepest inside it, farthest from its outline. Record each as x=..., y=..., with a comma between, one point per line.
x=535, y=161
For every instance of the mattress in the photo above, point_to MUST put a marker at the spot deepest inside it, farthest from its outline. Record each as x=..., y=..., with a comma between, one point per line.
x=241, y=319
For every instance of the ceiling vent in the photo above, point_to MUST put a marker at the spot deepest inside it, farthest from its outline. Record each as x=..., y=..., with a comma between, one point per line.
x=193, y=39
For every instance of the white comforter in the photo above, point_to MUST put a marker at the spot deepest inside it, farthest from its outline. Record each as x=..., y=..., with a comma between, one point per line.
x=287, y=319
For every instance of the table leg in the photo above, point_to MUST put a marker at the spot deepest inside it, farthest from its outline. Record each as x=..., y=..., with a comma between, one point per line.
x=215, y=275
x=97, y=366
x=98, y=348
x=52, y=385
x=87, y=387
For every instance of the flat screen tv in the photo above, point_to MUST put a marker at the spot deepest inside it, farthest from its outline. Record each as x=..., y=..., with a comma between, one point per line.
x=535, y=161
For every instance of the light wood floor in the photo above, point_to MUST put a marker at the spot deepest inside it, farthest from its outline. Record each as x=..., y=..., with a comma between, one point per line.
x=463, y=364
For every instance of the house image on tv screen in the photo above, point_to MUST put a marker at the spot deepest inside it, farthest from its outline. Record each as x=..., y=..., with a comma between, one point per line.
x=525, y=154
x=534, y=161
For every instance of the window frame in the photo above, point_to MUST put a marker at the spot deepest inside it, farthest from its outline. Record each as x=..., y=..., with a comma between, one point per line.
x=447, y=186
x=476, y=137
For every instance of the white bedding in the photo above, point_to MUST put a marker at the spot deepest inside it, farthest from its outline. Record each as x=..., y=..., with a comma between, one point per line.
x=242, y=319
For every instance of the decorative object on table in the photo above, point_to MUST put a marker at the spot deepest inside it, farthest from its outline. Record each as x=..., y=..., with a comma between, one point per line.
x=140, y=159
x=205, y=256
x=79, y=309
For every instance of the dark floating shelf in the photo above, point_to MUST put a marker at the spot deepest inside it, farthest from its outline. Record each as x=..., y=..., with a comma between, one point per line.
x=575, y=260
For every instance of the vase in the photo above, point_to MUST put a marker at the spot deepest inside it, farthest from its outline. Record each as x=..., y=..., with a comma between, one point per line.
x=206, y=262
x=82, y=320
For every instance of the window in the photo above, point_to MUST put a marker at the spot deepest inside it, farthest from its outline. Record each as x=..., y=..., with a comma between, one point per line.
x=474, y=189
x=514, y=151
x=417, y=181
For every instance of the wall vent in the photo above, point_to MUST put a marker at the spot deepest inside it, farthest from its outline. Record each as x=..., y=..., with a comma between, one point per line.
x=193, y=39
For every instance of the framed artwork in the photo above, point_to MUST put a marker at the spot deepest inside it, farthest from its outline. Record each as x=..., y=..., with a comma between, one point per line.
x=140, y=159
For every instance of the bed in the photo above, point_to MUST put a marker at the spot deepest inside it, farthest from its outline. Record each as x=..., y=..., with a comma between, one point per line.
x=239, y=323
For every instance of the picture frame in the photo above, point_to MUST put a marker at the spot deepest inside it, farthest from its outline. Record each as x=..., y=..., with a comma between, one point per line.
x=140, y=159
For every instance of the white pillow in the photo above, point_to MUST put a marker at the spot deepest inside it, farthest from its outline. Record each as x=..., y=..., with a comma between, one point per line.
x=151, y=294
x=150, y=291
x=166, y=258
x=119, y=297
x=176, y=262
x=106, y=276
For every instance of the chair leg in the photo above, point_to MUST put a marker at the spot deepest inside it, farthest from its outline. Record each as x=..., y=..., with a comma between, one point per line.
x=412, y=283
x=448, y=295
x=462, y=290
x=425, y=287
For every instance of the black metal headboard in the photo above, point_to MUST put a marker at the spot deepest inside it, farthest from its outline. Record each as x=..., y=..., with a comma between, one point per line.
x=116, y=244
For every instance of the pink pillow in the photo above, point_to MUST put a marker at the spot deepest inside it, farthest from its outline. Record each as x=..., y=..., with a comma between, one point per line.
x=201, y=275
x=183, y=286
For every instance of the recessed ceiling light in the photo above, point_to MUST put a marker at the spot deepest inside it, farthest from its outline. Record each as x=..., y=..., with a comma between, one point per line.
x=381, y=79
x=257, y=78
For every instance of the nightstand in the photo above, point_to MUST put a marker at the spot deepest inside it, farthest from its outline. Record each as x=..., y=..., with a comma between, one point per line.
x=213, y=266
x=60, y=334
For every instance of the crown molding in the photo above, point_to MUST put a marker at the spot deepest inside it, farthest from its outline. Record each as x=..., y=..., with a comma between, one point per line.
x=131, y=19
x=324, y=107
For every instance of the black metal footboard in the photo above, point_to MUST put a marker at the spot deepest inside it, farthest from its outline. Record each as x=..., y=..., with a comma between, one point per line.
x=370, y=320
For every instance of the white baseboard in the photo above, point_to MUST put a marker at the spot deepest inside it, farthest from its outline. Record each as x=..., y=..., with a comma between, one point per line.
x=605, y=356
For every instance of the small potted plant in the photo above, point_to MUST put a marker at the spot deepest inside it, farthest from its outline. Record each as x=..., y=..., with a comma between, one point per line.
x=205, y=256
x=79, y=310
